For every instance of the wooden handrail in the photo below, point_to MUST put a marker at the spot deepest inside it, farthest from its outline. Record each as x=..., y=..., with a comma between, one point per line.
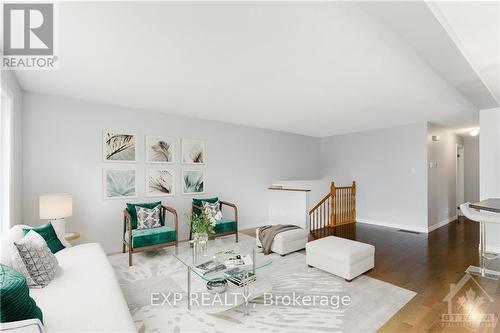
x=336, y=208
x=320, y=203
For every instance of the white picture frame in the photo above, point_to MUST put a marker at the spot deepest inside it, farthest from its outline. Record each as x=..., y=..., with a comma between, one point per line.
x=190, y=182
x=119, y=183
x=156, y=179
x=157, y=152
x=191, y=149
x=119, y=146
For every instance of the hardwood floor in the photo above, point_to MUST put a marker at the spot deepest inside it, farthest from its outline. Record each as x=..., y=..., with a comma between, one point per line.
x=427, y=264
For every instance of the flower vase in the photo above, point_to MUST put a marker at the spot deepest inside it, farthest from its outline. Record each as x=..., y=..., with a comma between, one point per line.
x=201, y=240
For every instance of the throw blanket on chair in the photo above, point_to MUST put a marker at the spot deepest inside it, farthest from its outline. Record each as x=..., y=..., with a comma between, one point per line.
x=268, y=232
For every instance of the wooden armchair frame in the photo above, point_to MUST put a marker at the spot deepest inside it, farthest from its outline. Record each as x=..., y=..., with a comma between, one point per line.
x=127, y=226
x=221, y=203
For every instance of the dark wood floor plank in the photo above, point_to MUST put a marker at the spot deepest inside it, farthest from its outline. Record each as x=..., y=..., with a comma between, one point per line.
x=426, y=264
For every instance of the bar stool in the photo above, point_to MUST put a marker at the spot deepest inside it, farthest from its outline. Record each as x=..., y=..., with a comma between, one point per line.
x=482, y=218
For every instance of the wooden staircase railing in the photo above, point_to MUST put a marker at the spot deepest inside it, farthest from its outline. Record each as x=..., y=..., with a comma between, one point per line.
x=337, y=208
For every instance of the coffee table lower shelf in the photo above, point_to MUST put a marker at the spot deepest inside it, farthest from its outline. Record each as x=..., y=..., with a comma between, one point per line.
x=200, y=299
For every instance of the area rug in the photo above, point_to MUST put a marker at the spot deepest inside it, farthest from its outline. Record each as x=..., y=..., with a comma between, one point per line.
x=371, y=302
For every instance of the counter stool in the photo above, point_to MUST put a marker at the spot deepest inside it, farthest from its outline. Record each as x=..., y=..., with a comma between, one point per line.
x=482, y=218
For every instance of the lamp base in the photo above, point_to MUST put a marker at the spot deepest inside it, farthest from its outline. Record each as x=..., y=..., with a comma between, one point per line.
x=60, y=228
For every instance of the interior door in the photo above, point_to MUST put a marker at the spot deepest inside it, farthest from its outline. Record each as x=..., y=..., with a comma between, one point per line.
x=460, y=178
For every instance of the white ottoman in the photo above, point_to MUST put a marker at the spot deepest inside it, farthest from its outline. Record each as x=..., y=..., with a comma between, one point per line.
x=340, y=256
x=287, y=241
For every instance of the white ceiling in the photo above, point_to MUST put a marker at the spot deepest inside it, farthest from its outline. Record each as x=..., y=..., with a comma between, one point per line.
x=475, y=27
x=314, y=68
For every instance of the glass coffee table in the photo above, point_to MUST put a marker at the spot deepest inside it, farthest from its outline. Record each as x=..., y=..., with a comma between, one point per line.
x=220, y=254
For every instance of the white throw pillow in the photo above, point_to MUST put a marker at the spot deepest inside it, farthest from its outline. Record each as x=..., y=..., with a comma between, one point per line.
x=12, y=235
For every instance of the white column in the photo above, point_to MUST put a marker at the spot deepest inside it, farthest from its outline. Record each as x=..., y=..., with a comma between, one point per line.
x=489, y=166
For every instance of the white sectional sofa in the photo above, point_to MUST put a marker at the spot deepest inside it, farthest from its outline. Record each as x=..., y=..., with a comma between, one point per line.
x=84, y=296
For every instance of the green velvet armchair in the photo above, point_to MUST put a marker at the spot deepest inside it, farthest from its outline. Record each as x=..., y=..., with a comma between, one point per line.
x=223, y=227
x=139, y=240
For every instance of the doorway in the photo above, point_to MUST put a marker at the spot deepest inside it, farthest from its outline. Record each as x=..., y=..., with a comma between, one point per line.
x=460, y=181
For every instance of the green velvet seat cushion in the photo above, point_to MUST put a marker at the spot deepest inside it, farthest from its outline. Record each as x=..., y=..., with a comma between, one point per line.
x=133, y=213
x=224, y=225
x=49, y=235
x=15, y=301
x=199, y=203
x=151, y=236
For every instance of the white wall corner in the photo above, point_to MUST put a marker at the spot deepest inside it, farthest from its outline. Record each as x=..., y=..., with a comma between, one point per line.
x=442, y=223
x=489, y=165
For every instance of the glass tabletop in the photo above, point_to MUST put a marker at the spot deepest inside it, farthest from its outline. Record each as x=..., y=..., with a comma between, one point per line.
x=221, y=259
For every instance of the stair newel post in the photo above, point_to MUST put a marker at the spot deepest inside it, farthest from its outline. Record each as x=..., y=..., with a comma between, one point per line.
x=333, y=204
x=354, y=201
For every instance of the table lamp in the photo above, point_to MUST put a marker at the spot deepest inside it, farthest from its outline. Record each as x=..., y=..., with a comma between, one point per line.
x=56, y=206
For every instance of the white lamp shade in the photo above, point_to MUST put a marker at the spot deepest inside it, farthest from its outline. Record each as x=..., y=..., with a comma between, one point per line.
x=56, y=206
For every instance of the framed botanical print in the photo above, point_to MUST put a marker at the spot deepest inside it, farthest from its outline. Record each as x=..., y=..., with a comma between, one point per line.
x=119, y=183
x=193, y=181
x=119, y=146
x=193, y=151
x=159, y=149
x=160, y=182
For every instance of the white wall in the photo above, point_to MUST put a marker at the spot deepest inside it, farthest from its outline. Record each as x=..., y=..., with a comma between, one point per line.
x=289, y=207
x=62, y=153
x=442, y=179
x=318, y=189
x=489, y=166
x=471, y=168
x=9, y=82
x=390, y=169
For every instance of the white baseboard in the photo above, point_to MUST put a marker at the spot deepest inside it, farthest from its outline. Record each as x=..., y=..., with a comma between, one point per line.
x=442, y=223
x=409, y=227
x=394, y=225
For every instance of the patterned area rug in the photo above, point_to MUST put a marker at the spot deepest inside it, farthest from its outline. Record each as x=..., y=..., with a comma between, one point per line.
x=372, y=302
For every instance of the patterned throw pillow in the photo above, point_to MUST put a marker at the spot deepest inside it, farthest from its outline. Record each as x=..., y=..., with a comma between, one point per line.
x=148, y=218
x=18, y=265
x=213, y=210
x=39, y=262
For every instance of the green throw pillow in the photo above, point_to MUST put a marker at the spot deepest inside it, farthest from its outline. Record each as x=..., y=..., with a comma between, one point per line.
x=15, y=300
x=133, y=213
x=199, y=203
x=49, y=235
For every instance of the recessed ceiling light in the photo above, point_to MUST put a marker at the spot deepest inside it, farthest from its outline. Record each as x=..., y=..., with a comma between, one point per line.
x=474, y=132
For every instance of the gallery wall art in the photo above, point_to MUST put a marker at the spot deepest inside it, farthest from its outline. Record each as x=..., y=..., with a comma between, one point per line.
x=120, y=183
x=193, y=151
x=160, y=182
x=159, y=149
x=193, y=182
x=119, y=147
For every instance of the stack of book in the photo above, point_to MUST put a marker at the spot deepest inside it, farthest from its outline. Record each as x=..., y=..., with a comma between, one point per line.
x=238, y=260
x=237, y=276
